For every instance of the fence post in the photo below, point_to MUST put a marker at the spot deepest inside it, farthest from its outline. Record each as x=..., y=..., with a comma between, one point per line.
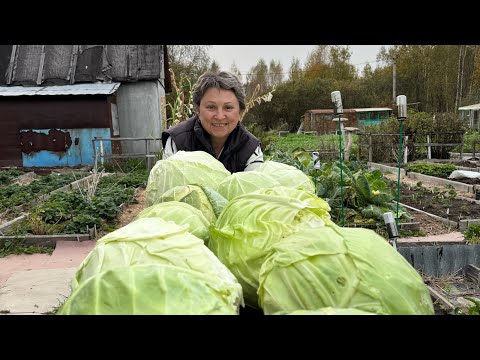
x=370, y=148
x=147, y=152
x=101, y=152
x=405, y=156
x=360, y=144
x=461, y=148
x=429, y=148
x=94, y=155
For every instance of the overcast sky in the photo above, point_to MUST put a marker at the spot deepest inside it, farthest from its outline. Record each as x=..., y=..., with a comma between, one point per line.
x=247, y=56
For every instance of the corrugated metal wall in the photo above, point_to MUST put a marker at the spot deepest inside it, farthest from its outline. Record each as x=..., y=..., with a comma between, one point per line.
x=443, y=260
x=139, y=113
x=73, y=146
x=50, y=112
x=141, y=69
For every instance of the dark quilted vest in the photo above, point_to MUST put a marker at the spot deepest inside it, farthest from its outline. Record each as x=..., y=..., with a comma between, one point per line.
x=189, y=135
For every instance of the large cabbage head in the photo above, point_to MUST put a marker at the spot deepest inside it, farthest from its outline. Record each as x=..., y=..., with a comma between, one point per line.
x=149, y=289
x=287, y=175
x=251, y=224
x=156, y=241
x=245, y=182
x=181, y=214
x=342, y=268
x=183, y=168
x=207, y=201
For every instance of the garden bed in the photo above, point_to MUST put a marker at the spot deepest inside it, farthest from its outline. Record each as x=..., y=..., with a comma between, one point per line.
x=451, y=273
x=449, y=200
x=18, y=194
x=73, y=215
x=440, y=202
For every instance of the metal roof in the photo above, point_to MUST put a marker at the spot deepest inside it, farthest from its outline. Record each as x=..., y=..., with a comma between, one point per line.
x=327, y=111
x=74, y=89
x=373, y=109
x=470, y=107
x=330, y=111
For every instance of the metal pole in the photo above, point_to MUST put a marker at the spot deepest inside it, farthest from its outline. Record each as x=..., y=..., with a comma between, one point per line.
x=394, y=79
x=341, y=170
x=101, y=152
x=147, y=151
x=370, y=148
x=338, y=110
x=399, y=161
x=401, y=116
x=94, y=155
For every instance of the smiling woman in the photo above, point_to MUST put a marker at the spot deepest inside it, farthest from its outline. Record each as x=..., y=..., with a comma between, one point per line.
x=219, y=103
x=219, y=114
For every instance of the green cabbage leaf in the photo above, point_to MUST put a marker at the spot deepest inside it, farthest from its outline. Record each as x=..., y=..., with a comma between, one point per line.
x=287, y=175
x=150, y=289
x=181, y=214
x=195, y=196
x=158, y=242
x=245, y=182
x=251, y=224
x=183, y=168
x=340, y=267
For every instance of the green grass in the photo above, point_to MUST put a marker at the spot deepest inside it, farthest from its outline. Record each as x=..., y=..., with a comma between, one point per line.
x=290, y=142
x=325, y=144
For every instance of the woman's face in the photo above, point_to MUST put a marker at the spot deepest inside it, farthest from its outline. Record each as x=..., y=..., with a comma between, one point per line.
x=219, y=112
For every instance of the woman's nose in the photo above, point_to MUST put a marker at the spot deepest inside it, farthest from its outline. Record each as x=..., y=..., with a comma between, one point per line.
x=220, y=114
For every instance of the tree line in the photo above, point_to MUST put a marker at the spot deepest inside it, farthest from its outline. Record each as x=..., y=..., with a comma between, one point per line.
x=435, y=78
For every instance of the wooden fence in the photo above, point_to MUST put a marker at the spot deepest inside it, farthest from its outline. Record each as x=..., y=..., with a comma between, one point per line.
x=384, y=147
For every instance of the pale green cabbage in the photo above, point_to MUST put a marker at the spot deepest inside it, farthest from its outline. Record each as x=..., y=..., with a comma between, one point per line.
x=156, y=241
x=245, y=182
x=340, y=267
x=217, y=201
x=150, y=289
x=195, y=196
x=251, y=224
x=183, y=168
x=181, y=214
x=287, y=175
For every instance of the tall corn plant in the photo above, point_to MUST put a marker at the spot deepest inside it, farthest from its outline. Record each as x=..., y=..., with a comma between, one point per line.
x=181, y=106
x=256, y=99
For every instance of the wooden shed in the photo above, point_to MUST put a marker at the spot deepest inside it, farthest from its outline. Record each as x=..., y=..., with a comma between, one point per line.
x=320, y=120
x=54, y=99
x=470, y=115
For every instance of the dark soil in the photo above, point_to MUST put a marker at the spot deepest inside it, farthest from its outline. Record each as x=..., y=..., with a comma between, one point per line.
x=467, y=181
x=439, y=202
x=462, y=180
x=468, y=163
